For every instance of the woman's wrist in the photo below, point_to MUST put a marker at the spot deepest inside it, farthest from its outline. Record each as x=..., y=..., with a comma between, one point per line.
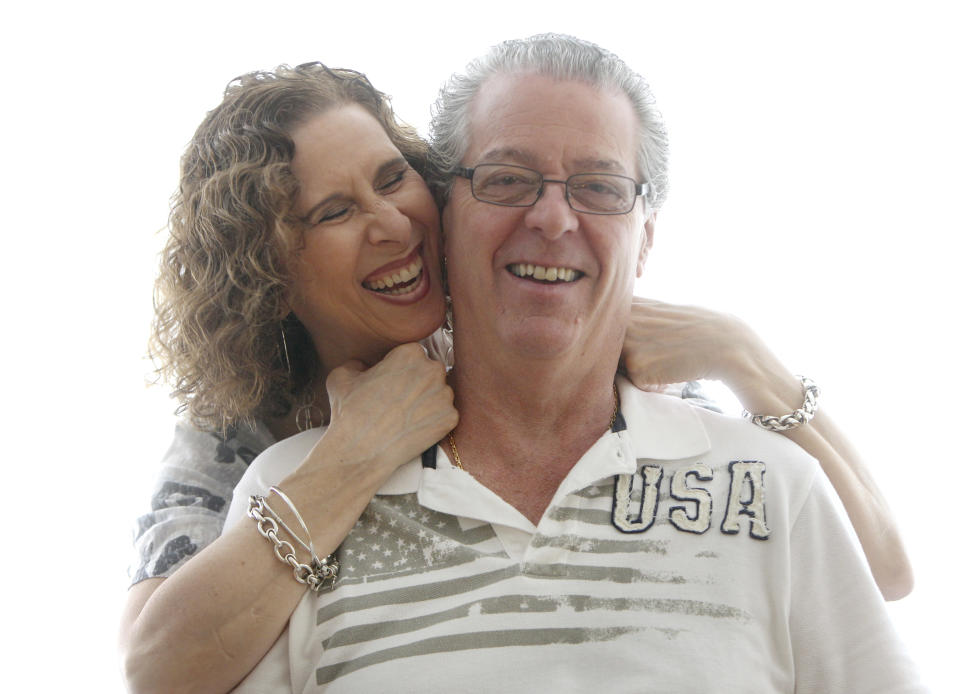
x=759, y=380
x=332, y=487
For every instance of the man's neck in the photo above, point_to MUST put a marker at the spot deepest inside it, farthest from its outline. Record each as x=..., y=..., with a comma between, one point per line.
x=524, y=424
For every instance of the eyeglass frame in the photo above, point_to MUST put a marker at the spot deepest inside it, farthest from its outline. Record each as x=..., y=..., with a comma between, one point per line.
x=642, y=189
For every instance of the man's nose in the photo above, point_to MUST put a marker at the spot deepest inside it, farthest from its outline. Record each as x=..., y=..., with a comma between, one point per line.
x=551, y=215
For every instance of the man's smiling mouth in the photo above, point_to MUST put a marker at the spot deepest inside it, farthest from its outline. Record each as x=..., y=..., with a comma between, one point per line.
x=544, y=273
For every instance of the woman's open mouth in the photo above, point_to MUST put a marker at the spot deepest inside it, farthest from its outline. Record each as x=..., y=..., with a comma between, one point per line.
x=399, y=281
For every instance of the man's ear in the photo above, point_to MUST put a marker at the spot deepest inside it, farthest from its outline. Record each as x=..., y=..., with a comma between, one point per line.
x=647, y=242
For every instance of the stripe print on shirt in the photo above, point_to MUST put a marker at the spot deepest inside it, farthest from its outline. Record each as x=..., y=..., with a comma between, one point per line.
x=416, y=584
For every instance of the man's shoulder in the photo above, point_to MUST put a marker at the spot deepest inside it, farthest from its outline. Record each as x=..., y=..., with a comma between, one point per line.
x=278, y=456
x=728, y=439
x=270, y=467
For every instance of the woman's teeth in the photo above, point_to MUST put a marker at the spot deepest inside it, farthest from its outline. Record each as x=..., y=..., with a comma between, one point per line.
x=547, y=274
x=402, y=281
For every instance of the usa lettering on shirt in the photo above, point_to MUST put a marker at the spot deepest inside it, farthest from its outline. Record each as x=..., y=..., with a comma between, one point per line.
x=745, y=501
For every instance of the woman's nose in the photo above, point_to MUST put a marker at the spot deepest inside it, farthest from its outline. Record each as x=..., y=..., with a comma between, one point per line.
x=389, y=225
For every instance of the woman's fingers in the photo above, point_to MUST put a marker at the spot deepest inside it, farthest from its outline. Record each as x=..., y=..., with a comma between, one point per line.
x=396, y=408
x=667, y=343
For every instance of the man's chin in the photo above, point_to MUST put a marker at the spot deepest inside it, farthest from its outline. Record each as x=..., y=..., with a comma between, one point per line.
x=543, y=338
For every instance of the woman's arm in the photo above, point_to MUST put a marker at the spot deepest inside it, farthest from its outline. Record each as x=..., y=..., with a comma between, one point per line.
x=669, y=344
x=205, y=627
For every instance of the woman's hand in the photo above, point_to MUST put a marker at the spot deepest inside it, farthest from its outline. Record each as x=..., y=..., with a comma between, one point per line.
x=667, y=344
x=671, y=344
x=380, y=418
x=393, y=411
x=205, y=628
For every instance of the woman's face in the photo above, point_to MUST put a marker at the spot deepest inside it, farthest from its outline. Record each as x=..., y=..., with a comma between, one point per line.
x=367, y=275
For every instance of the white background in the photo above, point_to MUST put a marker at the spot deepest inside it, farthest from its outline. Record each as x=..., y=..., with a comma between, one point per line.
x=815, y=193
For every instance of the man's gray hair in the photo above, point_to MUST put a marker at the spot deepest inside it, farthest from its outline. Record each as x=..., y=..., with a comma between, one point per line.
x=564, y=58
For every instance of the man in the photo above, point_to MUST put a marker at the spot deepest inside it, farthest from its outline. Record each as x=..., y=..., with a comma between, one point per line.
x=572, y=533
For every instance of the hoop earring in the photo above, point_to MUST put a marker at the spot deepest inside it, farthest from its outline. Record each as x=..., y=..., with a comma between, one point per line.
x=304, y=417
x=447, y=326
x=446, y=335
x=286, y=354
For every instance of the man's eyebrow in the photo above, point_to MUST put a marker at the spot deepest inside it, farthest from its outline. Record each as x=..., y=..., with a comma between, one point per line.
x=509, y=154
x=599, y=165
x=526, y=158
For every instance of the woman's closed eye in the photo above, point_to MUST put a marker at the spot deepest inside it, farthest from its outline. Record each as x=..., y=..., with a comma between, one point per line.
x=333, y=213
x=392, y=180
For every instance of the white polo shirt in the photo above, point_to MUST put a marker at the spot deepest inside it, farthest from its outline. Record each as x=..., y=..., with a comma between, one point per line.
x=686, y=552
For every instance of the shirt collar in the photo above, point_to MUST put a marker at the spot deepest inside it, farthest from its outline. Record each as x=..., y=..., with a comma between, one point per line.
x=660, y=427
x=657, y=427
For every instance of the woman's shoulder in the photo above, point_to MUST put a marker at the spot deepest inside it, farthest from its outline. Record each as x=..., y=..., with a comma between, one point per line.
x=240, y=443
x=192, y=490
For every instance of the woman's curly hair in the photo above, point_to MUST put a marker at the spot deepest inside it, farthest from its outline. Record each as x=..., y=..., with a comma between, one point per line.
x=220, y=298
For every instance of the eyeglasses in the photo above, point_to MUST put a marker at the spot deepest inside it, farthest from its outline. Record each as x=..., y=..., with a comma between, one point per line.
x=518, y=186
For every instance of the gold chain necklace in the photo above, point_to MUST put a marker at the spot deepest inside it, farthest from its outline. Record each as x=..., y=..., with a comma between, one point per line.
x=613, y=420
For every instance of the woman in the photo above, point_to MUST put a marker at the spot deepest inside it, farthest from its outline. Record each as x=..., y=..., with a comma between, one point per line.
x=297, y=206
x=302, y=242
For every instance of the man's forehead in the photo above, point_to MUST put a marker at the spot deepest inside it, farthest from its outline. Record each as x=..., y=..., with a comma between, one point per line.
x=528, y=119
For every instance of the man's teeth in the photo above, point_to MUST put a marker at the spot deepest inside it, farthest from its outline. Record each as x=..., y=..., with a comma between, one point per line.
x=540, y=272
x=402, y=281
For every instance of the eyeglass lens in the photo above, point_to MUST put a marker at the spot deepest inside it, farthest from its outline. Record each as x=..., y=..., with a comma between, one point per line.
x=519, y=186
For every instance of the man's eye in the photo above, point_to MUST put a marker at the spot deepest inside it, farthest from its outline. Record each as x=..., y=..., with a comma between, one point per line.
x=600, y=187
x=507, y=180
x=596, y=187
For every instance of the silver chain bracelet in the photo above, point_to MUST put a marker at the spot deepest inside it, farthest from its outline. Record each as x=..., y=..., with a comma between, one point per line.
x=796, y=418
x=315, y=574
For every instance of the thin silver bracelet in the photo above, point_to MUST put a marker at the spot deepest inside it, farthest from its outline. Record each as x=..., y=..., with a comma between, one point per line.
x=811, y=393
x=308, y=545
x=314, y=575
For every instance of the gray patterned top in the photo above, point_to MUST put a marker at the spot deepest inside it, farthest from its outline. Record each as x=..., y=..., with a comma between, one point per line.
x=191, y=496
